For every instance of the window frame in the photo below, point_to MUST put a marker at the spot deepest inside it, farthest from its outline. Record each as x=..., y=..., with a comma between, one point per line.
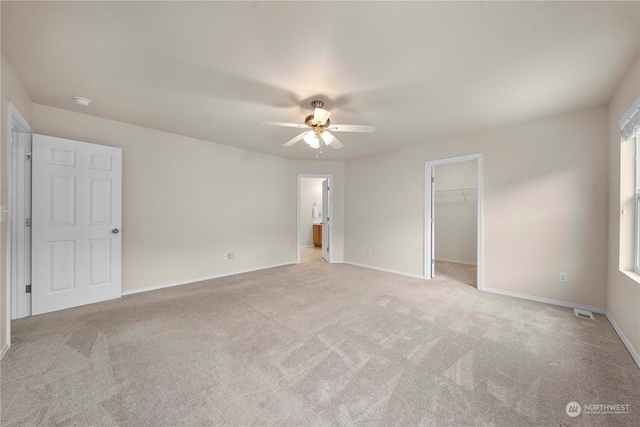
x=636, y=263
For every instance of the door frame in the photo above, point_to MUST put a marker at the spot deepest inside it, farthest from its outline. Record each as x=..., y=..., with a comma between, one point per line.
x=16, y=122
x=429, y=196
x=298, y=231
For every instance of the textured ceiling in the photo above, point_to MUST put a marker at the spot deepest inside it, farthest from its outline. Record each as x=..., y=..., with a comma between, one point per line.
x=417, y=71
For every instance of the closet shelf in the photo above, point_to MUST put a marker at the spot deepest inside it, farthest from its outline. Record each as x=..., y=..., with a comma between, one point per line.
x=458, y=192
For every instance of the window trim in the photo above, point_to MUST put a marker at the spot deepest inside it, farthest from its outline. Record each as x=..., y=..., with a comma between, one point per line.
x=636, y=263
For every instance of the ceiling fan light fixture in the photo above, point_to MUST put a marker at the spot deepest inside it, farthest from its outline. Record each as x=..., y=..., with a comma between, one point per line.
x=327, y=138
x=310, y=138
x=321, y=116
x=318, y=126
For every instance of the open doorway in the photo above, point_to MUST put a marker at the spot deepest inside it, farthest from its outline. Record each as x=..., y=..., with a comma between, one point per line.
x=453, y=226
x=456, y=228
x=314, y=218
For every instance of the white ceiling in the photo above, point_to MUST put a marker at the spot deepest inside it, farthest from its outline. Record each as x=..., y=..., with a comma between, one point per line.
x=417, y=71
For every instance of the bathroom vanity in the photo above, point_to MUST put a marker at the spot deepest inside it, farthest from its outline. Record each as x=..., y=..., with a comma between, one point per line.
x=317, y=235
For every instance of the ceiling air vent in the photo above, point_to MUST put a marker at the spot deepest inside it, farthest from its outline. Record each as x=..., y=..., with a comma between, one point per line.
x=583, y=313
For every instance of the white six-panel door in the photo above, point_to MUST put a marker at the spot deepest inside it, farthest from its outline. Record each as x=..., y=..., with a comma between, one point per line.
x=76, y=221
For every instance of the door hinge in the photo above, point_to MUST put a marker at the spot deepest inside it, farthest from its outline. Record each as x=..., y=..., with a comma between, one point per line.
x=28, y=289
x=433, y=261
x=29, y=155
x=27, y=222
x=327, y=248
x=433, y=179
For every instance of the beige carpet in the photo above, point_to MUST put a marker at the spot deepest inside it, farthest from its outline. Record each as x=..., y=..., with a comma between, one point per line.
x=316, y=344
x=462, y=273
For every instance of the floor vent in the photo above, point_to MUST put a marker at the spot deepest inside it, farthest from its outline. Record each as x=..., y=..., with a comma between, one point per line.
x=583, y=313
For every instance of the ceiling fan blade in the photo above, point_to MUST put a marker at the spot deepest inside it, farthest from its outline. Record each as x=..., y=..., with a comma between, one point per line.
x=352, y=128
x=335, y=142
x=293, y=140
x=285, y=124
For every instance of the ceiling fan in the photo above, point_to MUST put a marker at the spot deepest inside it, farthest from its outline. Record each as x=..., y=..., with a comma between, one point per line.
x=319, y=126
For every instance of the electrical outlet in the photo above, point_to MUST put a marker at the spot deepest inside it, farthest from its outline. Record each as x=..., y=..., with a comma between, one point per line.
x=230, y=255
x=369, y=251
x=562, y=277
x=225, y=256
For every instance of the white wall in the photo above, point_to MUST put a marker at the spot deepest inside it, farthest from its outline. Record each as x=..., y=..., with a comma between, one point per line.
x=14, y=92
x=310, y=193
x=545, y=206
x=623, y=285
x=186, y=201
x=456, y=224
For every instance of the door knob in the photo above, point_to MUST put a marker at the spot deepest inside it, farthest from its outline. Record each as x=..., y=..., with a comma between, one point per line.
x=115, y=231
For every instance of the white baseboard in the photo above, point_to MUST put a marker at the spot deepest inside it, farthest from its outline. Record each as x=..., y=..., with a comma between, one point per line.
x=307, y=247
x=544, y=300
x=634, y=353
x=386, y=270
x=455, y=261
x=218, y=276
x=623, y=337
x=4, y=350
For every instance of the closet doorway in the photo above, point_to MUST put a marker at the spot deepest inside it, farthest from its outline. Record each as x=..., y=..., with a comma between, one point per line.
x=453, y=219
x=314, y=203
